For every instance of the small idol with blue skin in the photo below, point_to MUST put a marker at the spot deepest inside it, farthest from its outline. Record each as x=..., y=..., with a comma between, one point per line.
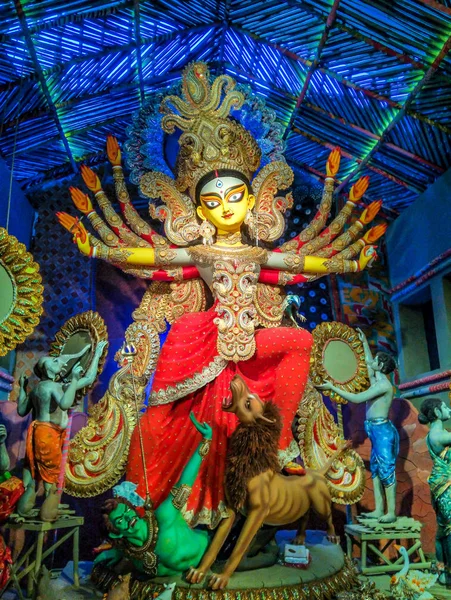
x=382, y=433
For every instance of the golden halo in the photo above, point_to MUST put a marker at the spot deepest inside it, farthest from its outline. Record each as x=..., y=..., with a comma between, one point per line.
x=22, y=293
x=352, y=377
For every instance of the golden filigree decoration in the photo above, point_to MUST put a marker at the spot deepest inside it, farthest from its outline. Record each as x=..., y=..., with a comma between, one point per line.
x=99, y=451
x=235, y=286
x=346, y=578
x=269, y=305
x=187, y=386
x=338, y=264
x=115, y=256
x=186, y=297
x=318, y=437
x=268, y=222
x=90, y=323
x=211, y=140
x=22, y=279
x=164, y=256
x=207, y=255
x=178, y=215
x=294, y=262
x=138, y=225
x=322, y=335
x=154, y=305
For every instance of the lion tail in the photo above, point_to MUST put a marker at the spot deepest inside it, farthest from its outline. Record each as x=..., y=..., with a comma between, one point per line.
x=324, y=469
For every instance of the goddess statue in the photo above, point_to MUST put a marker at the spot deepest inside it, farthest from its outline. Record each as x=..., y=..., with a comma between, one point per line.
x=217, y=213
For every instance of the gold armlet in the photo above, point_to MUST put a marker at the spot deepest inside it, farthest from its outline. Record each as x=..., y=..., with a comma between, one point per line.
x=338, y=264
x=164, y=256
x=204, y=448
x=181, y=495
x=329, y=184
x=116, y=256
x=294, y=262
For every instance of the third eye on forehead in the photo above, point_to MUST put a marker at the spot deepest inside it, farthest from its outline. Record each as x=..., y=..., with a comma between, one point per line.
x=220, y=185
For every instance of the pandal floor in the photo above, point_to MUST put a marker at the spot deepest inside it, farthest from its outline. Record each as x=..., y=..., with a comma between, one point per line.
x=61, y=588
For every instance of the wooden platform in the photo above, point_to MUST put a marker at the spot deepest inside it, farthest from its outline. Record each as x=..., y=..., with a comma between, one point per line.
x=30, y=561
x=374, y=538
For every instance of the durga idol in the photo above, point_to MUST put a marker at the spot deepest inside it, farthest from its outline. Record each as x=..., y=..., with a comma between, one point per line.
x=221, y=198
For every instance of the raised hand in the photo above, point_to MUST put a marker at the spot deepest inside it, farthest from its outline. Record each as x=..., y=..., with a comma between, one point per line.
x=367, y=257
x=77, y=373
x=99, y=348
x=90, y=178
x=373, y=234
x=23, y=381
x=359, y=188
x=81, y=200
x=113, y=151
x=333, y=162
x=361, y=335
x=3, y=434
x=370, y=212
x=78, y=230
x=203, y=428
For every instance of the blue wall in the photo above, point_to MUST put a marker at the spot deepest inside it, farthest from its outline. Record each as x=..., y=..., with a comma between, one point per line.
x=21, y=214
x=422, y=232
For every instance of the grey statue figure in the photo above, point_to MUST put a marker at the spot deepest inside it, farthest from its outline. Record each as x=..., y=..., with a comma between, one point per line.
x=49, y=402
x=382, y=433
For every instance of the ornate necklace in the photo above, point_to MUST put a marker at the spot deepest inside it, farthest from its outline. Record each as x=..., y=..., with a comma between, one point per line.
x=145, y=553
x=207, y=255
x=230, y=238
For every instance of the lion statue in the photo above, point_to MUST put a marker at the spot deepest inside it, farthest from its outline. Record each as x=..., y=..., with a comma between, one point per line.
x=255, y=486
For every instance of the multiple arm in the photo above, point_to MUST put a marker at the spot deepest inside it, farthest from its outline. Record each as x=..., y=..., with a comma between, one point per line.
x=335, y=247
x=132, y=246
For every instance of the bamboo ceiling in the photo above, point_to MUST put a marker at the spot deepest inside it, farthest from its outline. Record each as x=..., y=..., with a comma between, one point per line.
x=372, y=76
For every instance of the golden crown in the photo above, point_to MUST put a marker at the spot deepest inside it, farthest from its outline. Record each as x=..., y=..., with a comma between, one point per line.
x=211, y=139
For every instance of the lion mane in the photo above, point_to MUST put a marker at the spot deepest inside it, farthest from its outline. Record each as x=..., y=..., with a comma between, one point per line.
x=253, y=449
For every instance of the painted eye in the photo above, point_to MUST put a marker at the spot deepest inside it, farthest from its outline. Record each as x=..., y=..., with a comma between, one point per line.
x=236, y=197
x=212, y=204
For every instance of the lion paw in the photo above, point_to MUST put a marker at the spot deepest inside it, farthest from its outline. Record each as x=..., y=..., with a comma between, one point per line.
x=194, y=575
x=218, y=581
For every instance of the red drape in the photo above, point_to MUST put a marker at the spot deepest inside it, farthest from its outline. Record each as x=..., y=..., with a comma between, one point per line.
x=278, y=371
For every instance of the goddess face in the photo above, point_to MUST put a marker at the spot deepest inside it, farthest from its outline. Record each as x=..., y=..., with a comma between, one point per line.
x=224, y=201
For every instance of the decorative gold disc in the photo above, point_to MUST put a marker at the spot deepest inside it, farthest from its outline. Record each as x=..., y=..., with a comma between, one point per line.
x=338, y=356
x=84, y=329
x=21, y=294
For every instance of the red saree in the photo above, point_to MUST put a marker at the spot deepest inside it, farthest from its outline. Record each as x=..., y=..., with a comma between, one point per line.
x=191, y=377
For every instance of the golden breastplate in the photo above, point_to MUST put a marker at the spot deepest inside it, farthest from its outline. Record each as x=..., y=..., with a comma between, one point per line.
x=234, y=286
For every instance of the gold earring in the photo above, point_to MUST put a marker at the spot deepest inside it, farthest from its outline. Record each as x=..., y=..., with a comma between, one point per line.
x=249, y=219
x=207, y=231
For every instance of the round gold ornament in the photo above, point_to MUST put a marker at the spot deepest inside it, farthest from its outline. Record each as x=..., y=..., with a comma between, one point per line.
x=84, y=329
x=21, y=294
x=338, y=356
